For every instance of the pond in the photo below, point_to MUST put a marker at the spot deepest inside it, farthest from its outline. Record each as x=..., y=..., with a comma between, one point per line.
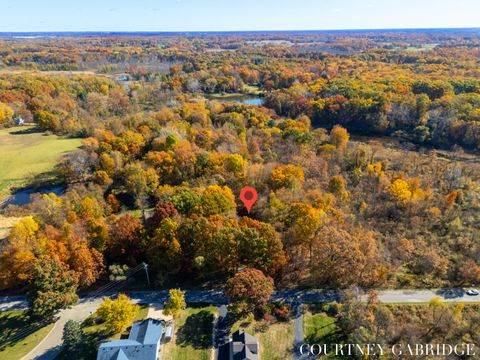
x=22, y=197
x=252, y=101
x=243, y=99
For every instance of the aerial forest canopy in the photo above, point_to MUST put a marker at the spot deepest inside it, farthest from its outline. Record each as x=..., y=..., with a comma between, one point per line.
x=364, y=154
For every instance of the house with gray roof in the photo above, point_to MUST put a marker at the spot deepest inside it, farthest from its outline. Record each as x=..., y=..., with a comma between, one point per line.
x=242, y=346
x=143, y=343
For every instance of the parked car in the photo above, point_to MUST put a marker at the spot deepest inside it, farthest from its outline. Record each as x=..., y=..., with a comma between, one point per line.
x=473, y=292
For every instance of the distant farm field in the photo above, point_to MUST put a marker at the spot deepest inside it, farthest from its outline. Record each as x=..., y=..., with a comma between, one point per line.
x=25, y=153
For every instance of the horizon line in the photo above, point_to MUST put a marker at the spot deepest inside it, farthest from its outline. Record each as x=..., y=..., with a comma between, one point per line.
x=231, y=31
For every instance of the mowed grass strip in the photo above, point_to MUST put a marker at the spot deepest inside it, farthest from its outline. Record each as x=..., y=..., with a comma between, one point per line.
x=193, y=335
x=14, y=322
x=275, y=340
x=25, y=153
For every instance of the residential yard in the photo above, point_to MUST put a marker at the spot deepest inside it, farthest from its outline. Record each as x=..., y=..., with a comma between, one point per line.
x=319, y=327
x=193, y=335
x=26, y=153
x=90, y=325
x=96, y=333
x=12, y=323
x=275, y=340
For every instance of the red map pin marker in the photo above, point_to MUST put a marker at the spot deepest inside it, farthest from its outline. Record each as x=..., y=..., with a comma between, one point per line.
x=248, y=195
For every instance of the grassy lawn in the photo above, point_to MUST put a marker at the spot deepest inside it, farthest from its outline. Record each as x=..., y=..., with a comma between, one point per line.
x=90, y=326
x=96, y=333
x=252, y=89
x=12, y=323
x=193, y=335
x=275, y=340
x=320, y=328
x=26, y=153
x=226, y=96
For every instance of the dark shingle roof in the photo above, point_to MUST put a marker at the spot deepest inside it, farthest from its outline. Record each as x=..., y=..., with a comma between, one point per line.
x=244, y=346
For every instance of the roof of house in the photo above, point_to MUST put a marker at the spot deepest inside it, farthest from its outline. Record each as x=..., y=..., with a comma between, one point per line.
x=147, y=331
x=140, y=345
x=223, y=352
x=244, y=346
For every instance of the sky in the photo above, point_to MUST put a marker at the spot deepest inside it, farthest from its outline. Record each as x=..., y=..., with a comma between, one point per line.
x=234, y=15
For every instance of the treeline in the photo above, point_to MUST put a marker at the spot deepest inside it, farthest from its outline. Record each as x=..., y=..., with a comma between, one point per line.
x=428, y=96
x=161, y=168
x=330, y=212
x=442, y=113
x=66, y=105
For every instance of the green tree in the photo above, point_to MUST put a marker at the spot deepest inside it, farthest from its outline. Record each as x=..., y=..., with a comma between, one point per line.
x=176, y=302
x=140, y=182
x=117, y=272
x=54, y=287
x=72, y=336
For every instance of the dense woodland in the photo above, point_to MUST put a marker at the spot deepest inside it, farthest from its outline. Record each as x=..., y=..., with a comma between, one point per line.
x=364, y=155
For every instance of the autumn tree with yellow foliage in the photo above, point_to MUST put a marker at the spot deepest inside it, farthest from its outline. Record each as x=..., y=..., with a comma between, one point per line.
x=118, y=314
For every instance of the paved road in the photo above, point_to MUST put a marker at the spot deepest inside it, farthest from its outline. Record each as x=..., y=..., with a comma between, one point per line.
x=422, y=296
x=297, y=309
x=222, y=332
x=295, y=296
x=13, y=303
x=223, y=327
x=51, y=345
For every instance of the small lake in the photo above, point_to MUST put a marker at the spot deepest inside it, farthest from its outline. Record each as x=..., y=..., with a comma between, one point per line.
x=22, y=197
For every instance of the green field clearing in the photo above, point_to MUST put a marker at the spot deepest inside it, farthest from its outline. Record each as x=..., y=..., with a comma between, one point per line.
x=252, y=89
x=275, y=340
x=193, y=335
x=12, y=323
x=320, y=328
x=25, y=153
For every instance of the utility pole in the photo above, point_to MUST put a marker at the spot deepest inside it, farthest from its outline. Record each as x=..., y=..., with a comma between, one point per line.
x=145, y=267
